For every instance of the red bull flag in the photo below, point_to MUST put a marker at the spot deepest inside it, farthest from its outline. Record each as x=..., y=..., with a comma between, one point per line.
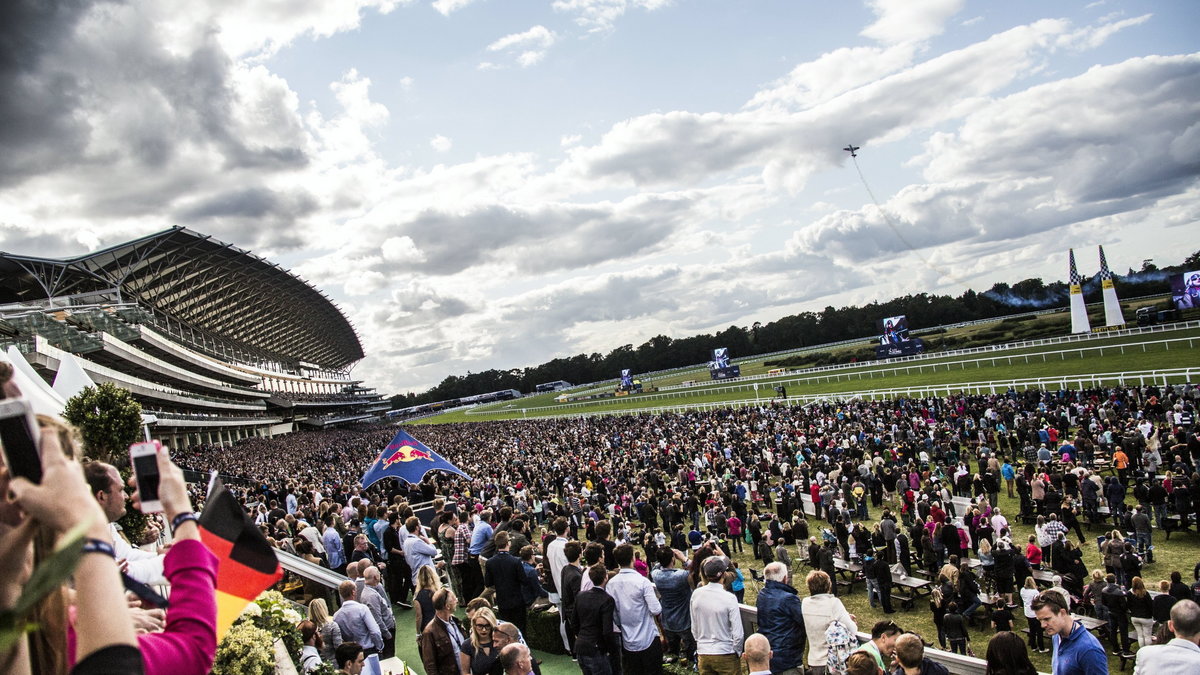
x=409, y=460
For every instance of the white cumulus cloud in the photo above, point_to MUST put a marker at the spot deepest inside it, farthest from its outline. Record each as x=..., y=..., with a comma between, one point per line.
x=910, y=20
x=448, y=7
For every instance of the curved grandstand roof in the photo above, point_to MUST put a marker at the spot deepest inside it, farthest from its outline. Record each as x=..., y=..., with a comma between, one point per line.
x=201, y=282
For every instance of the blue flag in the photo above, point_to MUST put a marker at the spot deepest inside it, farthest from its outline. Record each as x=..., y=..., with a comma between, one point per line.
x=409, y=460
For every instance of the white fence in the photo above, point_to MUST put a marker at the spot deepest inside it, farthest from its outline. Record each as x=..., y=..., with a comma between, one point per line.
x=1140, y=377
x=871, y=371
x=1024, y=344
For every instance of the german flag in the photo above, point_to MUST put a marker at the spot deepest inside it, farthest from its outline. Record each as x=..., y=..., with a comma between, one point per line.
x=246, y=565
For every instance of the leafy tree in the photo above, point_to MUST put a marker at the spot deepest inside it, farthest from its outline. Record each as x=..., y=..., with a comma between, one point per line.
x=798, y=330
x=108, y=419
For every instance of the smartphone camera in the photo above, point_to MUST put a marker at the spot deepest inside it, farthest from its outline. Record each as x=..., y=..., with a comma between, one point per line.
x=144, y=459
x=19, y=439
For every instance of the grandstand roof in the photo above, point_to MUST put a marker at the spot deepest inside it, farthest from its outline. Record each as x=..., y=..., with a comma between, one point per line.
x=201, y=282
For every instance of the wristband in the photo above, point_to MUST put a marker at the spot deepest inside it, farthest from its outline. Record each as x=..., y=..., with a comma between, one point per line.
x=182, y=518
x=99, y=546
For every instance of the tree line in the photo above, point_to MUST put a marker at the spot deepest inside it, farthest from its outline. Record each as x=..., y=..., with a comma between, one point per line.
x=805, y=329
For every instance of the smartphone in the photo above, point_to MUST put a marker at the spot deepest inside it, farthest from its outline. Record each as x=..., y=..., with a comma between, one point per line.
x=144, y=459
x=19, y=438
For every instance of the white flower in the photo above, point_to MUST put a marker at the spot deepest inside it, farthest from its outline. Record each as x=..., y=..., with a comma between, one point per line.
x=252, y=609
x=292, y=616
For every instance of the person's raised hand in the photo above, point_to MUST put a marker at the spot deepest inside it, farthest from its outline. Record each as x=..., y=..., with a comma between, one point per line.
x=172, y=488
x=63, y=499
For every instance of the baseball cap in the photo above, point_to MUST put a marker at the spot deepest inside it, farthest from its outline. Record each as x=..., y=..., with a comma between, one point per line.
x=715, y=566
x=695, y=539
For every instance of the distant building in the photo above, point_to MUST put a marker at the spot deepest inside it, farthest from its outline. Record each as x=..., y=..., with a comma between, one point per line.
x=215, y=342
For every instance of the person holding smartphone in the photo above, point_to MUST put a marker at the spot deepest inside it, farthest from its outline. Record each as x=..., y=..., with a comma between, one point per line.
x=188, y=643
x=104, y=633
x=109, y=491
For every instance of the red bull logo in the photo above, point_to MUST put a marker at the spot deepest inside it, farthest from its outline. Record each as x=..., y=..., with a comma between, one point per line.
x=405, y=451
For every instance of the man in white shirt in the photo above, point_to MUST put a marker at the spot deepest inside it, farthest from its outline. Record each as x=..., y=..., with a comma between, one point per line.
x=999, y=522
x=556, y=558
x=106, y=486
x=638, y=611
x=716, y=621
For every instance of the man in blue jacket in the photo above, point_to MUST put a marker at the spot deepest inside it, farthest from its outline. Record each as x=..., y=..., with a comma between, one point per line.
x=780, y=620
x=1076, y=651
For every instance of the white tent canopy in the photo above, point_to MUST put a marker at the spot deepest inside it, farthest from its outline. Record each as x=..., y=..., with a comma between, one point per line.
x=69, y=381
x=41, y=396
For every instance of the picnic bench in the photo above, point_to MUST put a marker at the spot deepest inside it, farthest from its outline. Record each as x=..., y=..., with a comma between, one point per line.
x=907, y=590
x=971, y=563
x=848, y=572
x=1091, y=623
x=1173, y=523
x=1044, y=577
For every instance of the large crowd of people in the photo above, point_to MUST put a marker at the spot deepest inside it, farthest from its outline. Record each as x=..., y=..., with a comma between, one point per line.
x=634, y=529
x=902, y=486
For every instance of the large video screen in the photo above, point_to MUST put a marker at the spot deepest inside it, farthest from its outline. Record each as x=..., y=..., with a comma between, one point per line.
x=1185, y=290
x=627, y=378
x=720, y=358
x=893, y=330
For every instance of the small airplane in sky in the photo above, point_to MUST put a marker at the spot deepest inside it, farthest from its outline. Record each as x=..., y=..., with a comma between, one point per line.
x=851, y=149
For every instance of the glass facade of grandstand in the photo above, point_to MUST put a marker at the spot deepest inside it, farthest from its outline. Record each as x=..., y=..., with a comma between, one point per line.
x=216, y=343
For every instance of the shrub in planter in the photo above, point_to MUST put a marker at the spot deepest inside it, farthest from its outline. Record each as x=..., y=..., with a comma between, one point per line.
x=542, y=634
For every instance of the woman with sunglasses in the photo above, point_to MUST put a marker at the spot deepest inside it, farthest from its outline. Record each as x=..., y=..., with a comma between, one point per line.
x=480, y=653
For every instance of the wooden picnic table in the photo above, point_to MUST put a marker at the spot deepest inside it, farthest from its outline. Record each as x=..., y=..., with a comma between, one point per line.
x=1091, y=623
x=1044, y=577
x=847, y=572
x=910, y=589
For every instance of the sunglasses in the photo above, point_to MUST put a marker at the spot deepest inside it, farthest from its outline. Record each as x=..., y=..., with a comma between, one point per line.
x=484, y=625
x=1053, y=598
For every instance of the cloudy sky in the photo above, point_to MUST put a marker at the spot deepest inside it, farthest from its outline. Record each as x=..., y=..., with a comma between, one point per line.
x=493, y=183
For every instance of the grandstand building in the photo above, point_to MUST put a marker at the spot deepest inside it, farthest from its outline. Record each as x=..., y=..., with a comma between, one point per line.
x=215, y=342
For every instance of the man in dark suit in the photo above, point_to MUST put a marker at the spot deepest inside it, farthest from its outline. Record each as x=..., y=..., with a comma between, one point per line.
x=506, y=574
x=441, y=634
x=596, y=643
x=572, y=579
